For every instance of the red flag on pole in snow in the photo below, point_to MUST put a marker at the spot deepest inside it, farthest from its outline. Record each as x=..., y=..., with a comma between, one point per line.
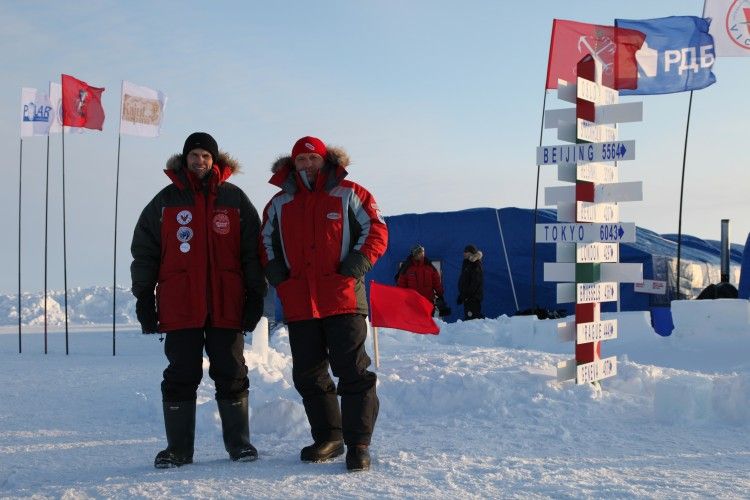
x=401, y=308
x=81, y=104
x=614, y=47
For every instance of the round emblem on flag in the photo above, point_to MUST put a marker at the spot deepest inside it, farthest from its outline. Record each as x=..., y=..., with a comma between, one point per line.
x=184, y=217
x=738, y=23
x=184, y=234
x=185, y=247
x=221, y=223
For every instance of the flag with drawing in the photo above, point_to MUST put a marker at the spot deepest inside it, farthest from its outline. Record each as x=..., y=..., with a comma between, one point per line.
x=677, y=55
x=142, y=110
x=730, y=26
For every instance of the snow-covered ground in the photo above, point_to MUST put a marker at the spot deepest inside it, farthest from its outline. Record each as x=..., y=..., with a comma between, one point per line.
x=474, y=412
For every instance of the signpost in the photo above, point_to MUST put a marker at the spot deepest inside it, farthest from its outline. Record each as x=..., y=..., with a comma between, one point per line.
x=588, y=229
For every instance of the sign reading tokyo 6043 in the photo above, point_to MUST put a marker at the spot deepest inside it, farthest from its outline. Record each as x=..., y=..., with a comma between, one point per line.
x=621, y=232
x=585, y=153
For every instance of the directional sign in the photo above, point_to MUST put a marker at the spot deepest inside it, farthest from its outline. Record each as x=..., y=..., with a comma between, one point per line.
x=621, y=232
x=622, y=272
x=597, y=212
x=611, y=192
x=597, y=252
x=585, y=152
x=596, y=331
x=591, y=132
x=569, y=293
x=590, y=172
x=608, y=271
x=596, y=370
x=611, y=113
x=596, y=93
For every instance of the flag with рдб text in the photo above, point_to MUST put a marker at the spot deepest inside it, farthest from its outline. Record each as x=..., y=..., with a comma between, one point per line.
x=142, y=110
x=401, y=308
x=36, y=113
x=613, y=47
x=81, y=104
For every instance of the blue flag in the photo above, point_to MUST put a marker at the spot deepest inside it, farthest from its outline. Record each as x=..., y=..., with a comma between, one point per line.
x=677, y=56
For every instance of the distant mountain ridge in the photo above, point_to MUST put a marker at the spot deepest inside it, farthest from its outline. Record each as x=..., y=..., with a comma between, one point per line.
x=86, y=306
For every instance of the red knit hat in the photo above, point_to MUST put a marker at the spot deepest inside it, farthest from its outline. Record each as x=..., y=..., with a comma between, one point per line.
x=309, y=144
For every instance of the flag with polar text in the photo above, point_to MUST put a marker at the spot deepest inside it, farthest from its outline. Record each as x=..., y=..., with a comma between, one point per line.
x=36, y=112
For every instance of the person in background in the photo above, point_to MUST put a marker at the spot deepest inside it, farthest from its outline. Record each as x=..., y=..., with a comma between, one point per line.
x=321, y=234
x=471, y=283
x=418, y=273
x=195, y=244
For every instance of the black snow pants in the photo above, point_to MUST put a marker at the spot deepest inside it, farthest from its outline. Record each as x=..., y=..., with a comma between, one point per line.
x=184, y=350
x=338, y=341
x=472, y=309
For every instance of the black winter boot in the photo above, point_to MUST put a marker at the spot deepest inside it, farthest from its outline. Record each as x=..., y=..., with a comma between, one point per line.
x=357, y=457
x=179, y=422
x=322, y=451
x=235, y=426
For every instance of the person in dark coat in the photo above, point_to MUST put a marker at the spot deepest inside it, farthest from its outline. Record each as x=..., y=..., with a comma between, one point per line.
x=471, y=283
x=321, y=234
x=195, y=246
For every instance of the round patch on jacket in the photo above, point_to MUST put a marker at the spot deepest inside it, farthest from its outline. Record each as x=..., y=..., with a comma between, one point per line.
x=185, y=247
x=184, y=217
x=334, y=215
x=184, y=234
x=221, y=223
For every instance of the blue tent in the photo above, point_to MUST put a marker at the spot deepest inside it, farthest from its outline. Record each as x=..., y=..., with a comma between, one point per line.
x=505, y=235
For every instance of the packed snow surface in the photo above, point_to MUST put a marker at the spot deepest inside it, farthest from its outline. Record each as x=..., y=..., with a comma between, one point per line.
x=473, y=412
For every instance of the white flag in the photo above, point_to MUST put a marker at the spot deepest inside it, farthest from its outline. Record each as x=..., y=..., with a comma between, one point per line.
x=36, y=113
x=55, y=98
x=730, y=26
x=142, y=110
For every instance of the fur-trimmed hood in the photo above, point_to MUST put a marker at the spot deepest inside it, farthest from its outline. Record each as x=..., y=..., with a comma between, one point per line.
x=336, y=162
x=177, y=161
x=474, y=257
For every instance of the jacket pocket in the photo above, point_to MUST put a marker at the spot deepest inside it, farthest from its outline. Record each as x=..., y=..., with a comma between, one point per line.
x=231, y=295
x=174, y=298
x=295, y=299
x=336, y=294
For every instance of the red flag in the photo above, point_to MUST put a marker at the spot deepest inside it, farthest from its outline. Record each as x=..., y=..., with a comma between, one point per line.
x=614, y=47
x=402, y=308
x=81, y=104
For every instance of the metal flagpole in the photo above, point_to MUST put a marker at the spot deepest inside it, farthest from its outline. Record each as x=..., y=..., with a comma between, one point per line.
x=46, y=218
x=114, y=258
x=536, y=207
x=20, y=177
x=65, y=246
x=507, y=262
x=682, y=190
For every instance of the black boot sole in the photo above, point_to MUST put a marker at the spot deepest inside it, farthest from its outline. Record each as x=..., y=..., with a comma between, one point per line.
x=327, y=457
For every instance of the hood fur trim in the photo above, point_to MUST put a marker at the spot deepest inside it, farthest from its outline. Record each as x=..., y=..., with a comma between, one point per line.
x=473, y=257
x=176, y=162
x=335, y=157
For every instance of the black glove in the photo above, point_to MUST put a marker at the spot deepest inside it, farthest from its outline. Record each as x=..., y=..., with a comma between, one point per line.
x=355, y=265
x=252, y=312
x=276, y=272
x=145, y=311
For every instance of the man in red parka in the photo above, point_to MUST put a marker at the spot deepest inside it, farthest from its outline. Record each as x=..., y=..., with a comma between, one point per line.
x=419, y=274
x=321, y=233
x=195, y=244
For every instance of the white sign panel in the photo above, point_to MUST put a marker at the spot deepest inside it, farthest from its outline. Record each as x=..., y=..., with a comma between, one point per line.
x=655, y=287
x=596, y=93
x=622, y=272
x=591, y=172
x=621, y=232
x=611, y=113
x=597, y=252
x=591, y=132
x=596, y=331
x=596, y=370
x=605, y=291
x=597, y=212
x=585, y=152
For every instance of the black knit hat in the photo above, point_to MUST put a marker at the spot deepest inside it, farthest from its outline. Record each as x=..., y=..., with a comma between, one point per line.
x=201, y=140
x=470, y=249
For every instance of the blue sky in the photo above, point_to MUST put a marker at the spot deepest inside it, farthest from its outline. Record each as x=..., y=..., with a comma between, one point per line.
x=438, y=103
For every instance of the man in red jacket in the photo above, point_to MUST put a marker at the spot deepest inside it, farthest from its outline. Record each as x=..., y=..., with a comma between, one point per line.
x=419, y=274
x=321, y=233
x=195, y=243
